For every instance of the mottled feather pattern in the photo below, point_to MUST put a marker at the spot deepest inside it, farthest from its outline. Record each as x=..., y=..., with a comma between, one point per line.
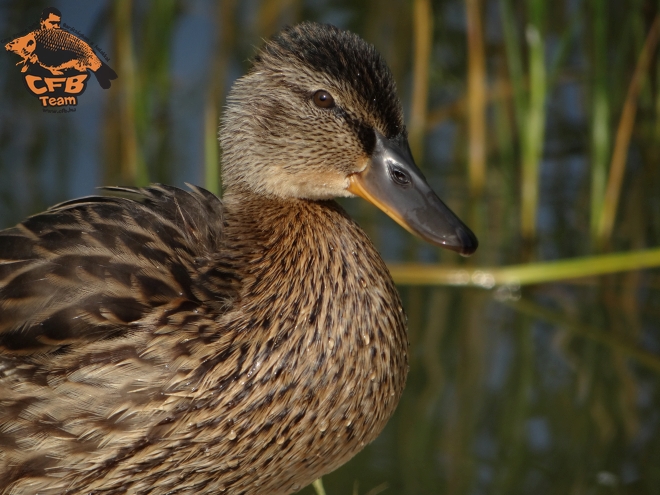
x=161, y=341
x=66, y=273
x=280, y=379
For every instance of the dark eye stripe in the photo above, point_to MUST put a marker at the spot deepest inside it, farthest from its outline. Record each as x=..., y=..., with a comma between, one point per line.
x=364, y=132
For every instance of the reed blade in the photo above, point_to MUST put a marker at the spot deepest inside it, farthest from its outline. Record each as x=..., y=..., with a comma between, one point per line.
x=623, y=136
x=534, y=131
x=423, y=34
x=525, y=274
x=599, y=116
x=476, y=97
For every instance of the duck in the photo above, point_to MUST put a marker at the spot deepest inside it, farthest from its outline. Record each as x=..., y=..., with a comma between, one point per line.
x=159, y=340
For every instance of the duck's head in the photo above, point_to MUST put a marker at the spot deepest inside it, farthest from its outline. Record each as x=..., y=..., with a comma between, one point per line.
x=318, y=117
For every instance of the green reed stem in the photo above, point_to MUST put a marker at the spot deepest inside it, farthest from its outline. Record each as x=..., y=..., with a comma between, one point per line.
x=211, y=155
x=225, y=45
x=531, y=273
x=599, y=115
x=133, y=168
x=514, y=61
x=318, y=486
x=562, y=50
x=154, y=82
x=423, y=36
x=533, y=133
x=530, y=111
x=656, y=130
x=476, y=96
x=623, y=136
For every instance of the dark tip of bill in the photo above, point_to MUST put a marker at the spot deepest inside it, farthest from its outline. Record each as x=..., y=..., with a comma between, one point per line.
x=468, y=242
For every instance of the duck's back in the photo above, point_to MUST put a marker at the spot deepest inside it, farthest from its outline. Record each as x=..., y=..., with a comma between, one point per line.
x=86, y=269
x=178, y=344
x=100, y=299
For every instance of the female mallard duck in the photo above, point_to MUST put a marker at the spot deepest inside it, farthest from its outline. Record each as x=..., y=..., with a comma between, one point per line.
x=175, y=343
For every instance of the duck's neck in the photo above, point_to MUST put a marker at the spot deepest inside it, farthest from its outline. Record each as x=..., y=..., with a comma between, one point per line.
x=320, y=318
x=316, y=266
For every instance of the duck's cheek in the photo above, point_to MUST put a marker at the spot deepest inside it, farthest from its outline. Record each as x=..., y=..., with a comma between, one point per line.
x=321, y=185
x=327, y=180
x=306, y=182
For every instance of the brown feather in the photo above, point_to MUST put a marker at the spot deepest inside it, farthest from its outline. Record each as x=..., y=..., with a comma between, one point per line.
x=168, y=342
x=299, y=373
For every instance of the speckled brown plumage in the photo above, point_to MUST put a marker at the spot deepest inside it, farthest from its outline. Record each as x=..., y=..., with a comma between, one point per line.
x=188, y=356
x=162, y=341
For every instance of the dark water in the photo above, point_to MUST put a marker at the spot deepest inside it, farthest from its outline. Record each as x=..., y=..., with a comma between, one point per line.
x=546, y=389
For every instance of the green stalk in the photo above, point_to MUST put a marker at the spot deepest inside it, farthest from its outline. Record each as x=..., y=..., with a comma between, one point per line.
x=514, y=61
x=656, y=132
x=623, y=136
x=225, y=42
x=211, y=155
x=476, y=99
x=562, y=49
x=530, y=273
x=505, y=146
x=318, y=486
x=533, y=133
x=154, y=86
x=132, y=166
x=423, y=36
x=599, y=115
x=530, y=112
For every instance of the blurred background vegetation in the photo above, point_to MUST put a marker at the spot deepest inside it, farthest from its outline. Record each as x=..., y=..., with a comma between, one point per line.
x=535, y=364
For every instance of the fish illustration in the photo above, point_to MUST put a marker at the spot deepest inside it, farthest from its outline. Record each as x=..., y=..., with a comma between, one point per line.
x=57, y=50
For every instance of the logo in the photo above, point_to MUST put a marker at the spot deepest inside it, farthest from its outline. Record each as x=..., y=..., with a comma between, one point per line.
x=56, y=64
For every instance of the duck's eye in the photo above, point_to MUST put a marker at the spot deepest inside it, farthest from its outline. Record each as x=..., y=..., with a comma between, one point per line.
x=399, y=176
x=323, y=99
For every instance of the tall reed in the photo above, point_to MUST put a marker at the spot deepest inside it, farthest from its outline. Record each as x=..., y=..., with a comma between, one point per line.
x=225, y=44
x=423, y=35
x=623, y=135
x=529, y=110
x=132, y=169
x=533, y=135
x=600, y=109
x=154, y=85
x=476, y=98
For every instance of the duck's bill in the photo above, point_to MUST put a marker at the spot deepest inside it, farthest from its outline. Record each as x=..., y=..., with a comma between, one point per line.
x=394, y=184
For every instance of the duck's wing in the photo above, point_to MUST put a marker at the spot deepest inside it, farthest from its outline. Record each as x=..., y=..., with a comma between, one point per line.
x=108, y=313
x=98, y=267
